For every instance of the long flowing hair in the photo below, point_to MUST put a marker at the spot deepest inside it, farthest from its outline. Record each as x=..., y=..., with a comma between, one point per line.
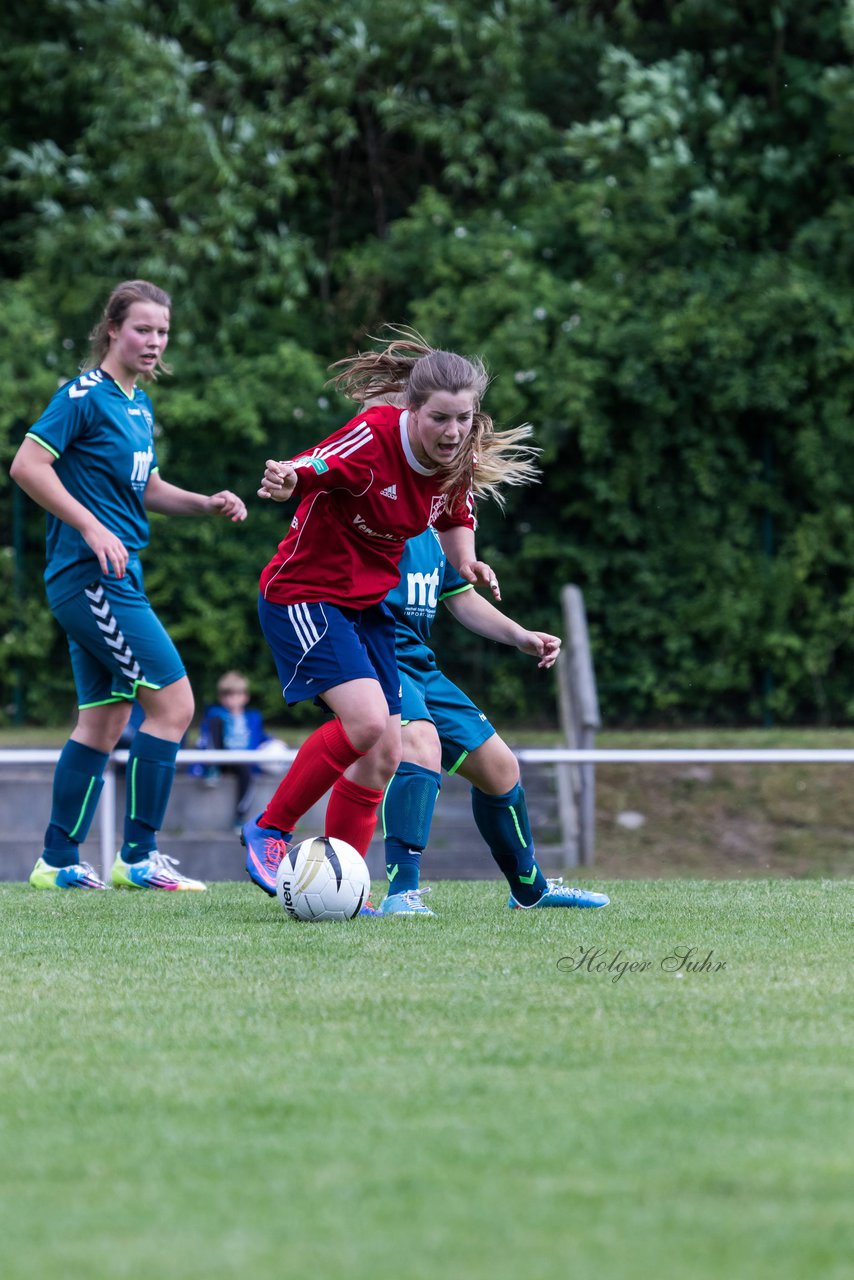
x=115, y=312
x=407, y=371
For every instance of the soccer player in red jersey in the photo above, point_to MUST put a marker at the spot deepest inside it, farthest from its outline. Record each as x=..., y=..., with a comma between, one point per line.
x=385, y=476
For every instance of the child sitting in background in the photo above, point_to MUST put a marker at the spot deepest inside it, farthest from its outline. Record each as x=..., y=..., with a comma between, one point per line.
x=231, y=725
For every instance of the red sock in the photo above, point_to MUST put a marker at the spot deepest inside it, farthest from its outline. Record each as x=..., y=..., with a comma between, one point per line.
x=321, y=760
x=351, y=814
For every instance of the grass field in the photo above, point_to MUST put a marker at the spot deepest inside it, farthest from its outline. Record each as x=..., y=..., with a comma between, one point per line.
x=195, y=1087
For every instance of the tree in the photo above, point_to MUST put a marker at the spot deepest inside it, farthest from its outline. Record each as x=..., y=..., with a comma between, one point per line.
x=641, y=215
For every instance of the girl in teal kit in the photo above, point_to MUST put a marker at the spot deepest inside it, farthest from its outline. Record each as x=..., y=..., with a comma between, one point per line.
x=90, y=462
x=443, y=729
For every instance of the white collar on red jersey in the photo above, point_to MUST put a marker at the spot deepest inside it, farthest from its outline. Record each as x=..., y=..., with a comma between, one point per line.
x=407, y=448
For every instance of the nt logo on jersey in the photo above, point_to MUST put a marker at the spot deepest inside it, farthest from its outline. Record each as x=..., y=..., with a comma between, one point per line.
x=422, y=590
x=141, y=466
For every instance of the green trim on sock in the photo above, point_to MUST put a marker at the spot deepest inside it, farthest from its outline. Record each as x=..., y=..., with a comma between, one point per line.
x=73, y=832
x=522, y=840
x=132, y=789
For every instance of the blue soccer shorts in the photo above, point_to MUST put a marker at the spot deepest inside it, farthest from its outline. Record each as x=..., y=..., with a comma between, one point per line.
x=318, y=646
x=462, y=727
x=116, y=640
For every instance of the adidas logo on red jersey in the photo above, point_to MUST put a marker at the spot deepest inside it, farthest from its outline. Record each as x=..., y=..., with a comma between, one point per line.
x=390, y=492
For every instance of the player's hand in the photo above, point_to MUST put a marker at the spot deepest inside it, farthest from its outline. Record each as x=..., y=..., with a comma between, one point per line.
x=110, y=550
x=541, y=645
x=279, y=481
x=225, y=503
x=475, y=571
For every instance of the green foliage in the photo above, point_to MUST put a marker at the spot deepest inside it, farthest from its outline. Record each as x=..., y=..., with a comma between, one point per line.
x=641, y=216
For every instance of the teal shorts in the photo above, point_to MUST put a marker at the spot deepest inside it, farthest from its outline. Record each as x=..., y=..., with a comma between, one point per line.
x=116, y=641
x=462, y=727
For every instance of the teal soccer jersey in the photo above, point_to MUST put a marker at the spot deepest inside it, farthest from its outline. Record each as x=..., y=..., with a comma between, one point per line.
x=426, y=578
x=103, y=442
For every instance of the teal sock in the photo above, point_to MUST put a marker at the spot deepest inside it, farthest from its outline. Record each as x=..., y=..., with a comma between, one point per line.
x=503, y=823
x=402, y=866
x=77, y=783
x=148, y=782
x=407, y=813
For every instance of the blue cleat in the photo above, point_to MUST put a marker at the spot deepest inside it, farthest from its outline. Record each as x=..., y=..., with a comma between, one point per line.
x=558, y=894
x=368, y=909
x=157, y=871
x=78, y=876
x=265, y=848
x=409, y=903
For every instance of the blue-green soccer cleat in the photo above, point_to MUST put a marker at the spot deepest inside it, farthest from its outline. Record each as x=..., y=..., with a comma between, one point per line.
x=157, y=871
x=558, y=894
x=78, y=876
x=409, y=903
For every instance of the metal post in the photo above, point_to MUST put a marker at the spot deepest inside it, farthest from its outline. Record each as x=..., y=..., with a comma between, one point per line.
x=580, y=719
x=107, y=822
x=567, y=775
x=18, y=592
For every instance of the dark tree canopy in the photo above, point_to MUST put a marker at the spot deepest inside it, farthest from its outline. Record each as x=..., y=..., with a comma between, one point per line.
x=641, y=215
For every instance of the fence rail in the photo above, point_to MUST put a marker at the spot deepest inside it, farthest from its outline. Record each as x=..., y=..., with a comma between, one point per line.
x=687, y=755
x=555, y=756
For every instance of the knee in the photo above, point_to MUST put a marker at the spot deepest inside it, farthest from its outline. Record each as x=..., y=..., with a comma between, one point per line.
x=508, y=775
x=169, y=711
x=388, y=756
x=367, y=732
x=421, y=745
x=376, y=766
x=180, y=711
x=492, y=768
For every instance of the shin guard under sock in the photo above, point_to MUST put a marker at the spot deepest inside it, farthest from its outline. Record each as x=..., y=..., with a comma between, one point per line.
x=77, y=783
x=408, y=805
x=503, y=823
x=148, y=783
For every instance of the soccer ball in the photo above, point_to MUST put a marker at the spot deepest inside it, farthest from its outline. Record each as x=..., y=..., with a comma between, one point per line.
x=322, y=879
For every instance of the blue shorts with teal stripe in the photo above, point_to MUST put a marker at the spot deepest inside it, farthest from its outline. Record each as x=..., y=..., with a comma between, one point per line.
x=116, y=640
x=427, y=694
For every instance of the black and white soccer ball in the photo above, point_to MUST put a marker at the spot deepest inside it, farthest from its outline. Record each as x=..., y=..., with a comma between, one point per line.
x=322, y=879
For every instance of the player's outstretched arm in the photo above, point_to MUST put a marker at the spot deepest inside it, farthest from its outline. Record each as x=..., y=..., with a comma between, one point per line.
x=482, y=617
x=168, y=500
x=458, y=546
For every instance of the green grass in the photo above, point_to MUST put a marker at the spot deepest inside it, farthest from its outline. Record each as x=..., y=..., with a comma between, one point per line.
x=195, y=1087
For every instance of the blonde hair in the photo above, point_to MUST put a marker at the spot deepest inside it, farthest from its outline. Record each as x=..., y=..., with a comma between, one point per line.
x=231, y=682
x=114, y=315
x=407, y=370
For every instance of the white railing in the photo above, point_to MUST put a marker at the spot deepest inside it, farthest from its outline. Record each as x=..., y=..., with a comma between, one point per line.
x=687, y=755
x=107, y=802
x=525, y=755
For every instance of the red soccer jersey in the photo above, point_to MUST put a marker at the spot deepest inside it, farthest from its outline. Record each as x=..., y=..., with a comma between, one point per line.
x=362, y=493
